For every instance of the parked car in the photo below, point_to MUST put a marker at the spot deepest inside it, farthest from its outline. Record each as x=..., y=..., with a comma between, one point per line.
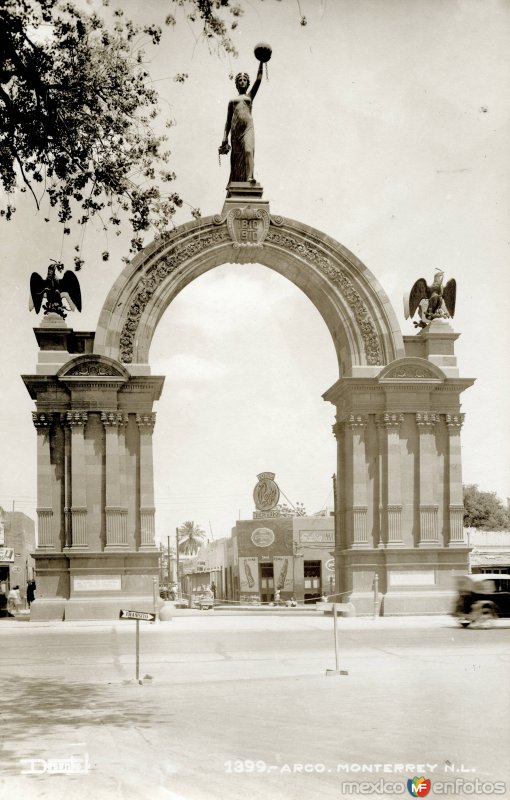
x=482, y=598
x=205, y=601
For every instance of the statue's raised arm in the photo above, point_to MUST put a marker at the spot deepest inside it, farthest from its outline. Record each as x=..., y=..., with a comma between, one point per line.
x=239, y=124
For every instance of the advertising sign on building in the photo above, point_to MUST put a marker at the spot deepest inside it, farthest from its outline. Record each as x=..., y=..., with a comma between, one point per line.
x=249, y=574
x=262, y=537
x=266, y=493
x=6, y=554
x=283, y=579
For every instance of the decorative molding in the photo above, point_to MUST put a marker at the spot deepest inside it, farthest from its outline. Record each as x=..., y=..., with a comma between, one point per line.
x=338, y=429
x=276, y=220
x=456, y=525
x=454, y=422
x=394, y=516
x=247, y=226
x=146, y=421
x=426, y=420
x=355, y=421
x=79, y=526
x=411, y=371
x=94, y=369
x=147, y=526
x=45, y=527
x=359, y=526
x=314, y=256
x=113, y=419
x=42, y=420
x=390, y=420
x=154, y=277
x=76, y=419
x=116, y=526
x=428, y=525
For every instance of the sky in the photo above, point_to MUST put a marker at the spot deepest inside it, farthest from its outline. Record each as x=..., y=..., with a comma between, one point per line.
x=384, y=124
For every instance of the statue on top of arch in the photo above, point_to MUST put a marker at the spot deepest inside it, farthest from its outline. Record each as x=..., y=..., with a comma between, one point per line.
x=432, y=302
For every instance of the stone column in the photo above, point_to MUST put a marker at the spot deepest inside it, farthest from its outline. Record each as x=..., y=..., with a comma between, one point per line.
x=77, y=421
x=340, y=542
x=355, y=426
x=43, y=423
x=391, y=423
x=454, y=424
x=68, y=487
x=115, y=512
x=426, y=422
x=145, y=424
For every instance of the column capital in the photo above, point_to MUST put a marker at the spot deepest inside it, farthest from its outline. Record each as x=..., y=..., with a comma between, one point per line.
x=426, y=420
x=355, y=421
x=454, y=422
x=390, y=420
x=42, y=420
x=146, y=421
x=113, y=419
x=338, y=429
x=76, y=419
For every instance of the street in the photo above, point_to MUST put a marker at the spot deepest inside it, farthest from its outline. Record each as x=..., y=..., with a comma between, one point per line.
x=240, y=706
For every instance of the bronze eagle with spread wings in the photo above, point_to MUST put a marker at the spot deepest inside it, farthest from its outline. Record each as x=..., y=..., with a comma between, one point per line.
x=55, y=290
x=432, y=302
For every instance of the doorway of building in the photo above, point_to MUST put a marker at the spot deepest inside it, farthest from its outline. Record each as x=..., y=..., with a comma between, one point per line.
x=266, y=583
x=312, y=581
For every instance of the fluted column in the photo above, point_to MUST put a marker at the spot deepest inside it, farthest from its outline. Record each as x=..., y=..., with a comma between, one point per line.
x=145, y=424
x=355, y=426
x=77, y=421
x=43, y=423
x=115, y=512
x=340, y=531
x=393, y=507
x=454, y=424
x=426, y=422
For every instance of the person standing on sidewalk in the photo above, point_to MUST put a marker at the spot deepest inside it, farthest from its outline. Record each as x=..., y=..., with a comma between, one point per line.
x=30, y=592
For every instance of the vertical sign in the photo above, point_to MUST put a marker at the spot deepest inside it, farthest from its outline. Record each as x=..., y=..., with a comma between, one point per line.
x=283, y=578
x=249, y=574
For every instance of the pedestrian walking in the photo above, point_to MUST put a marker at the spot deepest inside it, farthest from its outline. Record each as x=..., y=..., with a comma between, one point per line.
x=13, y=600
x=30, y=592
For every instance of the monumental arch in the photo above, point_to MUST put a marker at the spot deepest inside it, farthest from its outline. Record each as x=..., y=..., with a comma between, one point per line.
x=399, y=507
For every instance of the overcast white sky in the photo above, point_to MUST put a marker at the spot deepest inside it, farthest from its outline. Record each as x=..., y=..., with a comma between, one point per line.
x=384, y=123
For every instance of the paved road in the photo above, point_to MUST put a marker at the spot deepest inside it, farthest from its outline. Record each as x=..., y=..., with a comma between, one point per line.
x=241, y=707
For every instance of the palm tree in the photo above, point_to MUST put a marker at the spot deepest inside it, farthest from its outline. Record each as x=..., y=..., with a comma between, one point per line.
x=191, y=538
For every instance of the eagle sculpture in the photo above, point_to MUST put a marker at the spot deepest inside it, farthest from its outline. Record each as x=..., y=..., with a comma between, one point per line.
x=55, y=290
x=431, y=302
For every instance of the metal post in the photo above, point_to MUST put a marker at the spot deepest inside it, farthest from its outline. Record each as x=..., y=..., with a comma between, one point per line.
x=337, y=670
x=137, y=649
x=177, y=560
x=155, y=596
x=376, y=595
x=168, y=566
x=335, y=633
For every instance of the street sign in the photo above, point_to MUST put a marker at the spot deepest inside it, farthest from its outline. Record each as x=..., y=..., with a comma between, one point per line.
x=137, y=615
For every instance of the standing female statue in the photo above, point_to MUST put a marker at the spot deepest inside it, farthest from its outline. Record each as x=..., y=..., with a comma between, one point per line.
x=240, y=127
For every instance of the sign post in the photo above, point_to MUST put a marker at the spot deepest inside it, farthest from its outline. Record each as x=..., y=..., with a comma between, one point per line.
x=337, y=670
x=137, y=616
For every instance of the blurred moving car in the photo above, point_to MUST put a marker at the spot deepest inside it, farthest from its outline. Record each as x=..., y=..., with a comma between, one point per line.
x=481, y=599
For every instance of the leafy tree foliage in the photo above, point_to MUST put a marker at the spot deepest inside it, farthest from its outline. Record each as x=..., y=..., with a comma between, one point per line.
x=284, y=510
x=76, y=106
x=484, y=510
x=191, y=538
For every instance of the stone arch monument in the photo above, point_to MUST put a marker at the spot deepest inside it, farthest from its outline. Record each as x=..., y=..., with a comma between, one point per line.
x=398, y=503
